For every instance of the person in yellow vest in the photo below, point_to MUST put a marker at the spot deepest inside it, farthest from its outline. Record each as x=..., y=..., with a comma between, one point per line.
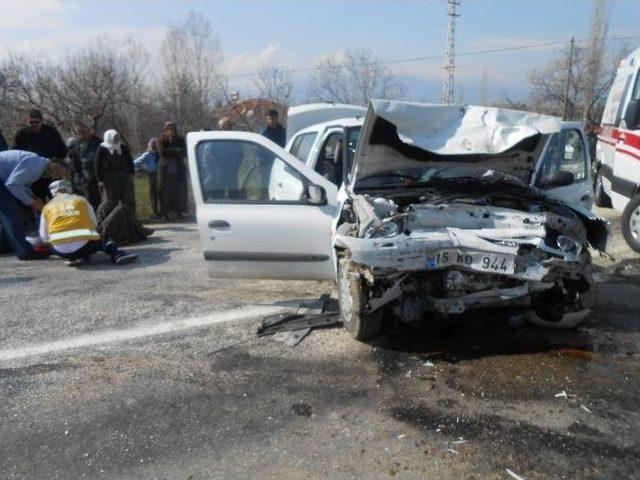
x=68, y=223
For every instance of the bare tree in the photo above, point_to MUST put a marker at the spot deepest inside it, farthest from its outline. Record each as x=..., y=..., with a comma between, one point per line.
x=274, y=84
x=585, y=98
x=94, y=86
x=356, y=79
x=193, y=77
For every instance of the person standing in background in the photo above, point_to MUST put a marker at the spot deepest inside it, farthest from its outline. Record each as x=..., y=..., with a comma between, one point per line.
x=114, y=171
x=44, y=140
x=172, y=172
x=148, y=162
x=3, y=143
x=273, y=130
x=83, y=155
x=116, y=214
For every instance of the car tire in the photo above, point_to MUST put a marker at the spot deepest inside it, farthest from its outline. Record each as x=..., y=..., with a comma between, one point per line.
x=630, y=223
x=601, y=199
x=568, y=321
x=352, y=300
x=549, y=310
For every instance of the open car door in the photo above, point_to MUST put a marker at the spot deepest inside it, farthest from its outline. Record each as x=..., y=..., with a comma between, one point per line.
x=261, y=212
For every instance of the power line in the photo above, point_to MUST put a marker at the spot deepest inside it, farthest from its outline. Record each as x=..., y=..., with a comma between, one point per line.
x=440, y=56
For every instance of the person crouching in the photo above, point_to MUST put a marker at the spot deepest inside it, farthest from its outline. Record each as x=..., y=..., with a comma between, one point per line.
x=68, y=223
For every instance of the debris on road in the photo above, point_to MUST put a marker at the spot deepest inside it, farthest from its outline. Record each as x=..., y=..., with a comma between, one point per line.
x=514, y=475
x=585, y=409
x=293, y=327
x=284, y=322
x=292, y=338
x=562, y=394
x=303, y=409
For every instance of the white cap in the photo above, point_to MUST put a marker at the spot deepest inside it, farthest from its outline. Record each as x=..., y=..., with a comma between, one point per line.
x=58, y=185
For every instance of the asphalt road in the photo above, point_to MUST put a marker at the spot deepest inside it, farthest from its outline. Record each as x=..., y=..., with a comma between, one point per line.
x=154, y=371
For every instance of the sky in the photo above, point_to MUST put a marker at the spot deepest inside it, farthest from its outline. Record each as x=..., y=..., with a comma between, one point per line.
x=296, y=34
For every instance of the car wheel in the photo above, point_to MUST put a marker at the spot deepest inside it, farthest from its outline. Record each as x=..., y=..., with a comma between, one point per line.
x=601, y=198
x=352, y=301
x=550, y=309
x=631, y=223
x=568, y=320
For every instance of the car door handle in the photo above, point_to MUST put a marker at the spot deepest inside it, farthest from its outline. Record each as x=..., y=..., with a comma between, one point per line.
x=221, y=225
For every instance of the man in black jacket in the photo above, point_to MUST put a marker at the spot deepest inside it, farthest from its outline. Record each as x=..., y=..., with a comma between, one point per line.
x=83, y=159
x=44, y=140
x=3, y=143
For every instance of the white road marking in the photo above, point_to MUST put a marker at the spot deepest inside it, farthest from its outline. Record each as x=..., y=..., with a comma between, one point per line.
x=140, y=331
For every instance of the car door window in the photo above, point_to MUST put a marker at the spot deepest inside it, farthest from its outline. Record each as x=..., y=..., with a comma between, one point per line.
x=565, y=151
x=301, y=146
x=353, y=134
x=240, y=171
x=329, y=163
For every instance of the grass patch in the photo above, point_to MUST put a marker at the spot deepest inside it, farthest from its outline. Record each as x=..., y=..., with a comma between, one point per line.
x=143, y=204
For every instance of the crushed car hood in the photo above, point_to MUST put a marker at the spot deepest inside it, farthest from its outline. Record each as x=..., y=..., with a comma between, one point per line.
x=403, y=134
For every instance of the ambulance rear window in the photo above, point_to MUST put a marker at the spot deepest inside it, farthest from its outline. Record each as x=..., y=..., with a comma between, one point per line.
x=636, y=89
x=613, y=109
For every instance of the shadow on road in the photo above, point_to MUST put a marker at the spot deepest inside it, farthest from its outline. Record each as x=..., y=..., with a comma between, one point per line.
x=472, y=338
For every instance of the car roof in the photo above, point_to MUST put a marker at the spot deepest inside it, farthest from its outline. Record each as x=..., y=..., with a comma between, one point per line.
x=340, y=122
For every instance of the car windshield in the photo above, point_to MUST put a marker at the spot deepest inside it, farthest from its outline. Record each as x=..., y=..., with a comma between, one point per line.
x=411, y=177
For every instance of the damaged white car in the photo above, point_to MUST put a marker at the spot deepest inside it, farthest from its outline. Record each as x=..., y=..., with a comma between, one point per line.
x=444, y=210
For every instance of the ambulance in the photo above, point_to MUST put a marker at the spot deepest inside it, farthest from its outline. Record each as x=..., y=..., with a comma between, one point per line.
x=617, y=162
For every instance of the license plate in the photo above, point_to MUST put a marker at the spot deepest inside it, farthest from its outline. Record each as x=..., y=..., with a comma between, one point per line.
x=481, y=261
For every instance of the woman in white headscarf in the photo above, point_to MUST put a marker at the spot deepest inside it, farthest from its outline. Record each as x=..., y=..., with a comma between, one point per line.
x=117, y=211
x=114, y=170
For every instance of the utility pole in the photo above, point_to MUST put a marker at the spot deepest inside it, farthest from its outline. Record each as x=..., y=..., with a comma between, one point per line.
x=449, y=61
x=569, y=77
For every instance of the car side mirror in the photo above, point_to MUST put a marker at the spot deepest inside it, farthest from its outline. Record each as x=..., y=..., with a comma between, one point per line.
x=632, y=115
x=315, y=194
x=557, y=178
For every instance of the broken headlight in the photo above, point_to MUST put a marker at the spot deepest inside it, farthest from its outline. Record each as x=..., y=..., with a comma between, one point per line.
x=390, y=227
x=568, y=246
x=384, y=230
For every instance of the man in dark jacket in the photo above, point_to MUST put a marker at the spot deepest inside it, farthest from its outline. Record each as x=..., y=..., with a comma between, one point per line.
x=43, y=140
x=3, y=143
x=82, y=155
x=273, y=130
x=172, y=172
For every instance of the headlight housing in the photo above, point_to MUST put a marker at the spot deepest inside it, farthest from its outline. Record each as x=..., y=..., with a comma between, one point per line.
x=568, y=245
x=390, y=227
